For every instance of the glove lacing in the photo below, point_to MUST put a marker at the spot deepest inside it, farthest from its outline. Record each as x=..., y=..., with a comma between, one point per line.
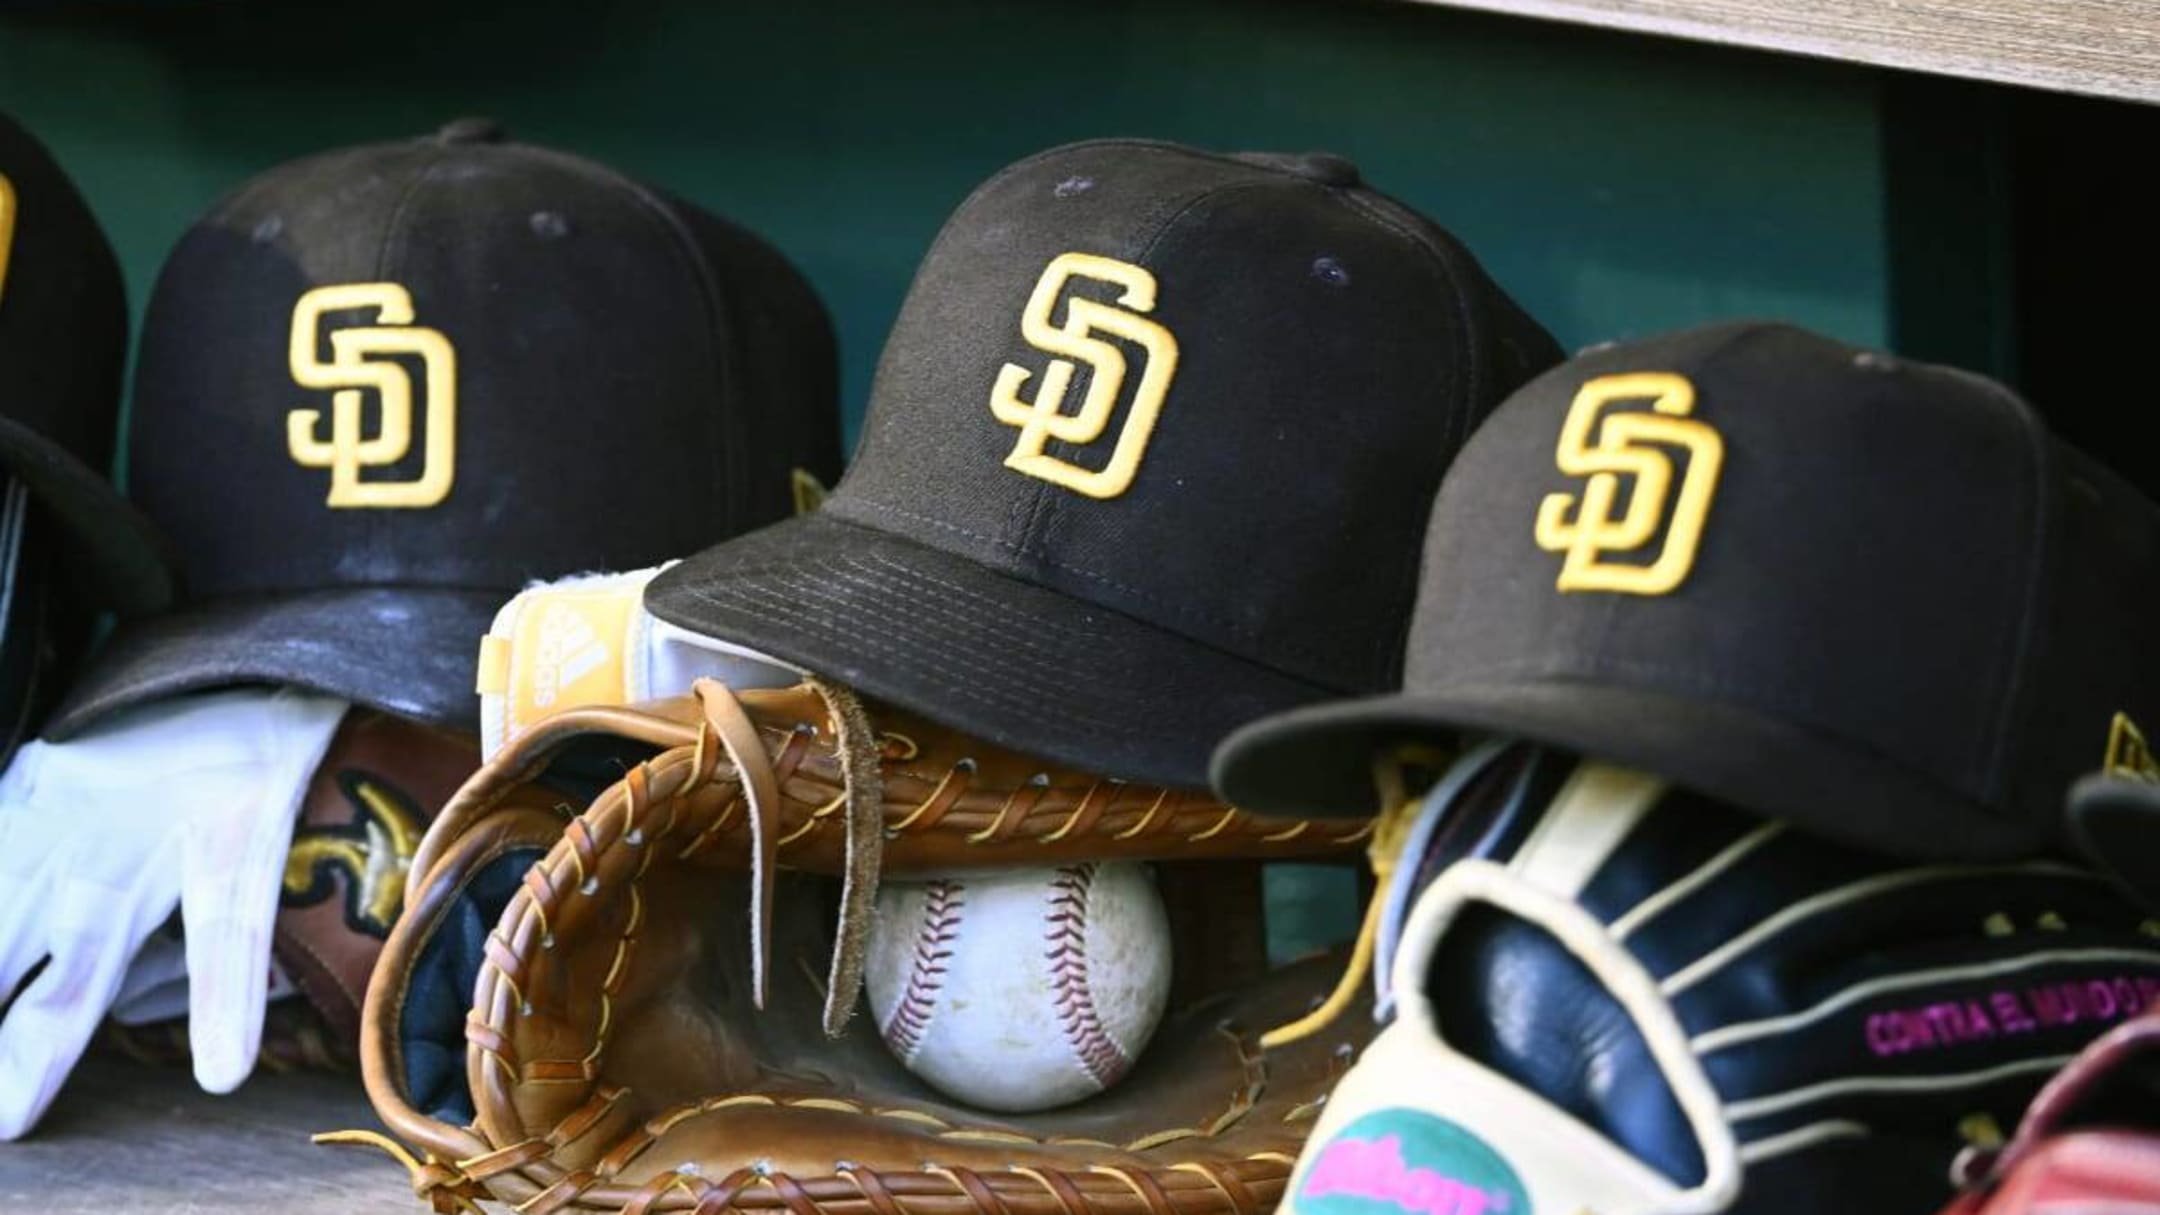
x=863, y=795
x=1390, y=832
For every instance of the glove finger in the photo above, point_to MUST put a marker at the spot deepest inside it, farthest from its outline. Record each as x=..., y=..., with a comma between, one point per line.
x=95, y=928
x=229, y=902
x=231, y=870
x=30, y=849
x=24, y=940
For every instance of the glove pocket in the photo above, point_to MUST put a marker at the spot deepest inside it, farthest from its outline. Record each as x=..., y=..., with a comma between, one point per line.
x=412, y=1024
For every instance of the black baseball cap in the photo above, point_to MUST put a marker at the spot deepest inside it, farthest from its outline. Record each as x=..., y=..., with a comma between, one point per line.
x=1868, y=595
x=63, y=342
x=382, y=389
x=1145, y=459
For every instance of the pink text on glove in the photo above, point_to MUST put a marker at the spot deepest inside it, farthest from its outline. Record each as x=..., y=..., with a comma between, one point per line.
x=1991, y=1015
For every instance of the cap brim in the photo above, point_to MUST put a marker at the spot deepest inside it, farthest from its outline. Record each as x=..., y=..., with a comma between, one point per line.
x=403, y=650
x=1319, y=761
x=1014, y=663
x=125, y=564
x=2115, y=822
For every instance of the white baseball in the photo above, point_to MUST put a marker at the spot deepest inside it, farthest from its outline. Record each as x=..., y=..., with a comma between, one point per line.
x=1021, y=989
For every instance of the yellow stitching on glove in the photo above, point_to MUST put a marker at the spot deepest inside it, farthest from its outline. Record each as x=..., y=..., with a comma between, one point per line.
x=1214, y=1178
x=1071, y=820
x=662, y=1123
x=1222, y=824
x=997, y=821
x=1161, y=796
x=951, y=774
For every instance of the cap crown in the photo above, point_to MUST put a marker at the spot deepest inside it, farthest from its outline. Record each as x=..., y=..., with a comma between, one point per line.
x=1212, y=393
x=1893, y=559
x=455, y=362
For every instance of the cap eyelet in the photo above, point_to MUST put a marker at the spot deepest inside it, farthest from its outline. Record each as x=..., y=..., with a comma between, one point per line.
x=1330, y=271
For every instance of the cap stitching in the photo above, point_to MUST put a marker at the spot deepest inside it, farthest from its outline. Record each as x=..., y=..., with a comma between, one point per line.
x=392, y=243
x=393, y=226
x=956, y=660
x=1368, y=202
x=224, y=208
x=2018, y=638
x=1384, y=650
x=1183, y=610
x=1721, y=693
x=1045, y=507
x=1027, y=525
x=725, y=371
x=1020, y=707
x=1984, y=761
x=1023, y=637
x=1024, y=640
x=1988, y=817
x=1464, y=380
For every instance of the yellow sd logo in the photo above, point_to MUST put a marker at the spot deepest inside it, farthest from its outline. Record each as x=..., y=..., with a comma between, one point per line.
x=357, y=366
x=7, y=228
x=1631, y=445
x=1044, y=419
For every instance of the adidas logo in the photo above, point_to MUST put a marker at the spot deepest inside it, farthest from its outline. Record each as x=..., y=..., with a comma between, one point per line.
x=569, y=650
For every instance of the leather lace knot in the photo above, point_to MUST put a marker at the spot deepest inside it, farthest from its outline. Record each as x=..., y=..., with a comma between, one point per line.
x=727, y=724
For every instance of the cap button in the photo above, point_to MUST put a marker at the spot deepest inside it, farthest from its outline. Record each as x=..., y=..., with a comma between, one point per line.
x=472, y=130
x=1325, y=168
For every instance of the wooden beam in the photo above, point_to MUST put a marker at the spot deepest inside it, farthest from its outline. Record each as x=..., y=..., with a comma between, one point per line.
x=2105, y=48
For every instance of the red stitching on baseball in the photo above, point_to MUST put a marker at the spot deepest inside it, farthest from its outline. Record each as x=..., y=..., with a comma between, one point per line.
x=1066, y=933
x=910, y=1018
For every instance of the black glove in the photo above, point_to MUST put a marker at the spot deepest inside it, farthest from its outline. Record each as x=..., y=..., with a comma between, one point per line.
x=1611, y=996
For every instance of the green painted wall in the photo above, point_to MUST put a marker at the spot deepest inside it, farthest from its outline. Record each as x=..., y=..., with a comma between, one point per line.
x=1618, y=185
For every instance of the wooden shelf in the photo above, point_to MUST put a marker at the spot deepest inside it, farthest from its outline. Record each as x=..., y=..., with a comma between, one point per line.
x=2106, y=48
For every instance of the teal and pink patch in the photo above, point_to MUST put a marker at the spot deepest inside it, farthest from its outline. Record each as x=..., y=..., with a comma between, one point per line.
x=1406, y=1162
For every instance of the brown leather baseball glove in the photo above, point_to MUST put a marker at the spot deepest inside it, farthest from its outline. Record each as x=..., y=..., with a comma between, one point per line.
x=575, y=1011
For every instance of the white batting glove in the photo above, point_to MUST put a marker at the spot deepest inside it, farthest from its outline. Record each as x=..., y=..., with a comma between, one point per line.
x=187, y=803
